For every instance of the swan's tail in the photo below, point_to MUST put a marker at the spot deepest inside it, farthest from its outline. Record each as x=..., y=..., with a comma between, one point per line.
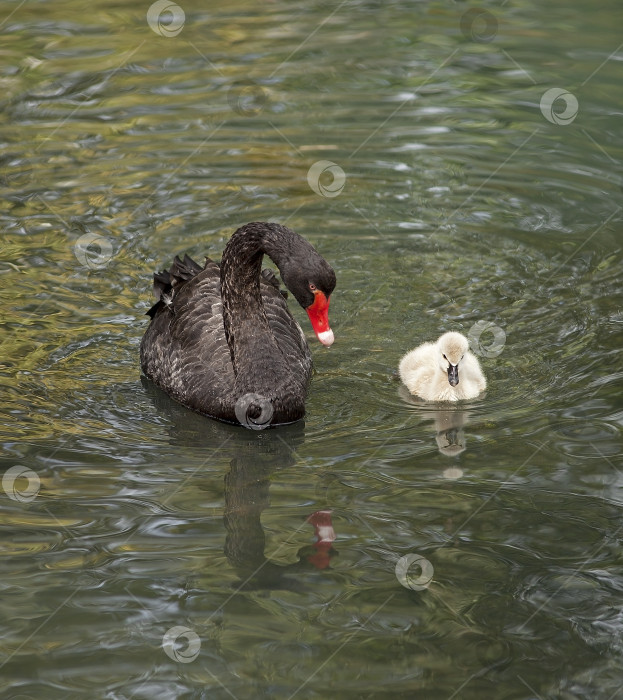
x=181, y=271
x=165, y=281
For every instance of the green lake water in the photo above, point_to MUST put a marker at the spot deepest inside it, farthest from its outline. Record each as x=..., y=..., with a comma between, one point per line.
x=460, y=166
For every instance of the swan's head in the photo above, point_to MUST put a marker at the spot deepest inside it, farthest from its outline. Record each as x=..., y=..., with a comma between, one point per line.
x=451, y=348
x=312, y=280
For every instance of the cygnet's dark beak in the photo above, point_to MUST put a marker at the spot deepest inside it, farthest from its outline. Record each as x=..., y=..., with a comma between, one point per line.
x=453, y=375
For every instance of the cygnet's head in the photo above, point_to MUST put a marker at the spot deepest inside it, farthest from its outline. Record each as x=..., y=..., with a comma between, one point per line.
x=452, y=347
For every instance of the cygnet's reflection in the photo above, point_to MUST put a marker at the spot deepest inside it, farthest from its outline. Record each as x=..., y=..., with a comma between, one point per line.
x=448, y=423
x=450, y=435
x=256, y=455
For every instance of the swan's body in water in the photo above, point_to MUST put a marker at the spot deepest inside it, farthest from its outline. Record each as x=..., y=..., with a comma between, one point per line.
x=221, y=339
x=443, y=371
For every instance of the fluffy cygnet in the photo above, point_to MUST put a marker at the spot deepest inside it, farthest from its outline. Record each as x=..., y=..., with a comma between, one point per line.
x=443, y=371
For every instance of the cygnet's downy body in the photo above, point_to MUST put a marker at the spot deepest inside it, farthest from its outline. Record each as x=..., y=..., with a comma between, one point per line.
x=443, y=371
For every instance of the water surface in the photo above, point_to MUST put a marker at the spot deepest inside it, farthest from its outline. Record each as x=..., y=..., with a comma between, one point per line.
x=467, y=202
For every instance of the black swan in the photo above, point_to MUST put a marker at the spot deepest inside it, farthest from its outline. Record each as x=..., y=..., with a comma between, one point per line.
x=221, y=339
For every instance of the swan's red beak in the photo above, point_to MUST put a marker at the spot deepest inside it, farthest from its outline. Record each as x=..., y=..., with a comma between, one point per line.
x=318, y=313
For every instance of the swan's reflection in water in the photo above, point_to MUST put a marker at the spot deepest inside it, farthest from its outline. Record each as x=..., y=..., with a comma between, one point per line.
x=246, y=495
x=450, y=435
x=448, y=421
x=256, y=455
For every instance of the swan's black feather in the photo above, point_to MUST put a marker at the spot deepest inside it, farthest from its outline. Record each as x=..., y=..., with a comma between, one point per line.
x=166, y=281
x=270, y=277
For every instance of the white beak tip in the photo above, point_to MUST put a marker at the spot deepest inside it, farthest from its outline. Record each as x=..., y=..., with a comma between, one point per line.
x=326, y=338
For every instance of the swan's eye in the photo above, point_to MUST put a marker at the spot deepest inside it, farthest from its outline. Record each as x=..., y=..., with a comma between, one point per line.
x=444, y=356
x=312, y=287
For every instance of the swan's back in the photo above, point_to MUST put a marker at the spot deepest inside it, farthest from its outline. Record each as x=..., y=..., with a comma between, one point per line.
x=184, y=350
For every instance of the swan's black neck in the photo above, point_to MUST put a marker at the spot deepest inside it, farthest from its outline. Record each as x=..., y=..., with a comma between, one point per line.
x=241, y=264
x=259, y=364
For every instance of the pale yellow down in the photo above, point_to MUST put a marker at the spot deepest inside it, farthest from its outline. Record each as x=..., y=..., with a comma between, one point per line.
x=425, y=370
